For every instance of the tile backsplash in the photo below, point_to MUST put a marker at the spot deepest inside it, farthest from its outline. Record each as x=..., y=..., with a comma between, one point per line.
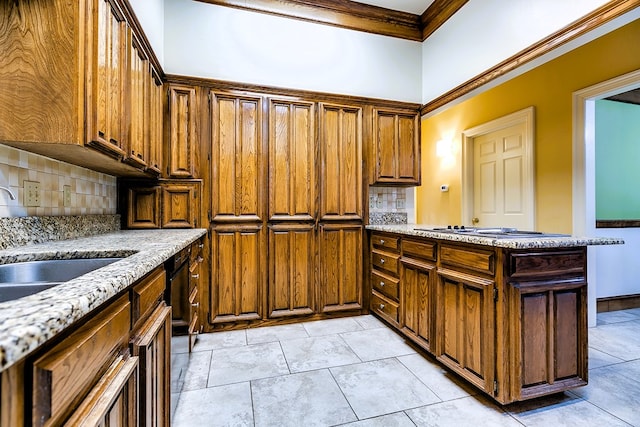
x=391, y=202
x=88, y=192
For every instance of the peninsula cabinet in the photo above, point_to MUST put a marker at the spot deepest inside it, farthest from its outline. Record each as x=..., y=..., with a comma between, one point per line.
x=81, y=97
x=396, y=146
x=512, y=322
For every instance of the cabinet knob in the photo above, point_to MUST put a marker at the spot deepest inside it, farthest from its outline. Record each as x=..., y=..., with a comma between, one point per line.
x=195, y=276
x=381, y=306
x=381, y=241
x=195, y=304
x=381, y=283
x=201, y=245
x=381, y=261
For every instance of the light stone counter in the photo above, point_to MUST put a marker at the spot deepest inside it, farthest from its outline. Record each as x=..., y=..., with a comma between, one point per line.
x=27, y=323
x=537, y=242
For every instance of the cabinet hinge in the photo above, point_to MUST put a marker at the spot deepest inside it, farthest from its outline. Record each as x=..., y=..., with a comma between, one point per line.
x=495, y=294
x=495, y=387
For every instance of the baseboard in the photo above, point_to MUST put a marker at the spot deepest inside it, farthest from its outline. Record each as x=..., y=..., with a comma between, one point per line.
x=623, y=302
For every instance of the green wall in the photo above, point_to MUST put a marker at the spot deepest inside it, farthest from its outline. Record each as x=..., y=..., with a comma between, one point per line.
x=617, y=160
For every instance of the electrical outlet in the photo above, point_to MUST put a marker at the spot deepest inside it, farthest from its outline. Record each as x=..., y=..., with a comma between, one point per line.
x=66, y=196
x=32, y=194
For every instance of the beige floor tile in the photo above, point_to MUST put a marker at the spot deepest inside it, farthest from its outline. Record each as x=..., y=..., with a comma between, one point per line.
x=381, y=387
x=303, y=399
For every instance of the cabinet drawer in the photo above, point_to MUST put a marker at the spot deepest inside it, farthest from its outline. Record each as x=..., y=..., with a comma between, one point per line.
x=421, y=249
x=385, y=261
x=385, y=241
x=384, y=307
x=145, y=295
x=67, y=371
x=547, y=264
x=469, y=258
x=385, y=285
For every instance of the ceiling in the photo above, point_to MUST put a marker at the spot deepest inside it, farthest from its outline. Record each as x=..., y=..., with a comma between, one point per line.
x=417, y=7
x=630, y=97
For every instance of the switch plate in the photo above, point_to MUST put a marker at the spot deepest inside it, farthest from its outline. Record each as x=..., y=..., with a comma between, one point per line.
x=66, y=196
x=32, y=194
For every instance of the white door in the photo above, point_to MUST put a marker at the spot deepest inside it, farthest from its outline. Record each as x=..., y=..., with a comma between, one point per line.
x=502, y=178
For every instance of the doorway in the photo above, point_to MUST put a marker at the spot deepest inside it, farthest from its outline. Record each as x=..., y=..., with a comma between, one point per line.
x=498, y=172
x=584, y=201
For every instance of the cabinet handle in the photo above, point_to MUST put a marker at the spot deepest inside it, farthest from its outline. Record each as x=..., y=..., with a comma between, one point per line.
x=195, y=304
x=195, y=276
x=381, y=241
x=381, y=261
x=201, y=245
x=381, y=283
x=381, y=306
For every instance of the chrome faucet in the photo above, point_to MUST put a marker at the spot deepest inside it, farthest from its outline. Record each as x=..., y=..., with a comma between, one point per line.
x=11, y=195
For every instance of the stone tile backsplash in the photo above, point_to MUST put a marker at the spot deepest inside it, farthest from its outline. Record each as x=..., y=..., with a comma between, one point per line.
x=391, y=205
x=90, y=192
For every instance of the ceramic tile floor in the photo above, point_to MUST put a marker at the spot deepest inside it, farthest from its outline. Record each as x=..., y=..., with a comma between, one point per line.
x=357, y=372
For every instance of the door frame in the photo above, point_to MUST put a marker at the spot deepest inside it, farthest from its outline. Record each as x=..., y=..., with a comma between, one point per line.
x=583, y=165
x=525, y=116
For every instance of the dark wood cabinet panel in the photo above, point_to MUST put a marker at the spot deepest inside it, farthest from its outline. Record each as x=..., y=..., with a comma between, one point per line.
x=340, y=286
x=183, y=128
x=396, y=147
x=180, y=205
x=292, y=270
x=138, y=73
x=143, y=207
x=238, y=174
x=292, y=161
x=155, y=114
x=340, y=163
x=238, y=273
x=168, y=204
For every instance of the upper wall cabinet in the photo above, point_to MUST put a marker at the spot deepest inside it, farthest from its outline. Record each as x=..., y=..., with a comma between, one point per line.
x=72, y=76
x=396, y=147
x=183, y=137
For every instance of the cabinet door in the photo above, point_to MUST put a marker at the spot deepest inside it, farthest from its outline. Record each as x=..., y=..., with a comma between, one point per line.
x=238, y=173
x=292, y=277
x=155, y=123
x=180, y=205
x=183, y=137
x=417, y=284
x=138, y=73
x=195, y=274
x=340, y=285
x=238, y=273
x=143, y=207
x=152, y=345
x=549, y=339
x=465, y=327
x=292, y=161
x=397, y=147
x=114, y=400
x=106, y=127
x=341, y=162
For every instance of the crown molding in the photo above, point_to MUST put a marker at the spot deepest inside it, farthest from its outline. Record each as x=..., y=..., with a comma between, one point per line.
x=598, y=17
x=437, y=14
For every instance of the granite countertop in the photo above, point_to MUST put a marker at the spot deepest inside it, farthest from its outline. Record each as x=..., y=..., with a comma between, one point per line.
x=510, y=242
x=28, y=322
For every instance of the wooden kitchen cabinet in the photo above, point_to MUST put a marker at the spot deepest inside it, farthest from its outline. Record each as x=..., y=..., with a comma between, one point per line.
x=155, y=136
x=385, y=276
x=340, y=253
x=168, y=204
x=418, y=279
x=82, y=85
x=137, y=152
x=396, y=158
x=180, y=153
x=238, y=273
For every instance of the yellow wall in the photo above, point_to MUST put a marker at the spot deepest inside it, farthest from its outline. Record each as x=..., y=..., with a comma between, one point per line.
x=549, y=89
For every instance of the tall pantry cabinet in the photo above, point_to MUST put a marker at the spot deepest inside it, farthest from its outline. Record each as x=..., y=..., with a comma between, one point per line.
x=286, y=203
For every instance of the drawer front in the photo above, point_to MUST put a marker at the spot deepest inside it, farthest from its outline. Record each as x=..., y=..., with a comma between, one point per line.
x=421, y=249
x=385, y=285
x=385, y=241
x=384, y=307
x=64, y=373
x=145, y=295
x=548, y=264
x=385, y=261
x=472, y=259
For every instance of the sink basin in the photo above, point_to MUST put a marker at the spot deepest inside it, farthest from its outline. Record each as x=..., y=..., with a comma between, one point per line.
x=26, y=278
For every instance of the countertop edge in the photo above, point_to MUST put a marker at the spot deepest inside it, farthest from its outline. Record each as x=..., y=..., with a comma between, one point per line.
x=28, y=323
x=508, y=243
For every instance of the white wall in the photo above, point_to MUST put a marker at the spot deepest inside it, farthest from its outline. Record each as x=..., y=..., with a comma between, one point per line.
x=485, y=33
x=223, y=43
x=618, y=269
x=150, y=13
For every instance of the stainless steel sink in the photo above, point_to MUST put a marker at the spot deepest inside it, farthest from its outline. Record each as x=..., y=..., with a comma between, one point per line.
x=26, y=278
